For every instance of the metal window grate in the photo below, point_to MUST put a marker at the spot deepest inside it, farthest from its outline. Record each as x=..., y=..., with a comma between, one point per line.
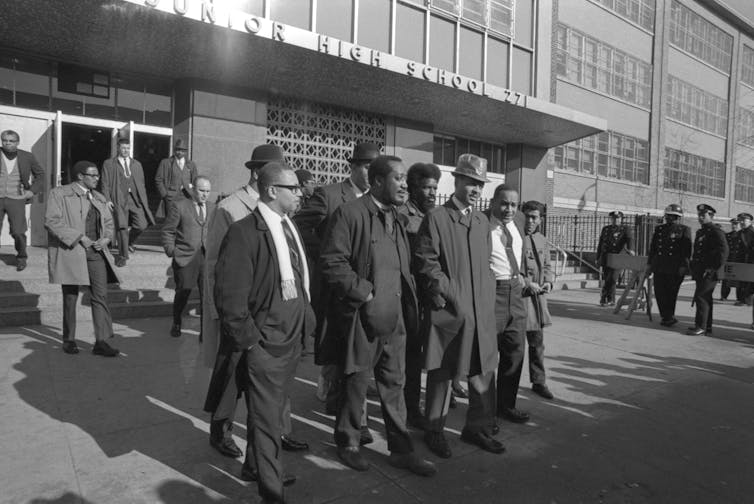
x=320, y=138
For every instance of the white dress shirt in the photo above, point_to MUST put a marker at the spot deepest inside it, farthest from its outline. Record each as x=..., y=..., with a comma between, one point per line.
x=499, y=263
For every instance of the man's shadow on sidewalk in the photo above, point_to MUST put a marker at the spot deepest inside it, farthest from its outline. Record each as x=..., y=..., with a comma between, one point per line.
x=144, y=401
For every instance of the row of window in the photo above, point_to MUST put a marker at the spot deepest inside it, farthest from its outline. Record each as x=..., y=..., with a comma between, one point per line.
x=745, y=130
x=747, y=65
x=608, y=154
x=447, y=149
x=694, y=34
x=744, y=184
x=694, y=106
x=589, y=62
x=641, y=12
x=691, y=173
x=495, y=15
x=38, y=84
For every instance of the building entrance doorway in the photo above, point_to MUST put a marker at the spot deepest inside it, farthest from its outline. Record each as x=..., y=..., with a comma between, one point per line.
x=83, y=143
x=149, y=149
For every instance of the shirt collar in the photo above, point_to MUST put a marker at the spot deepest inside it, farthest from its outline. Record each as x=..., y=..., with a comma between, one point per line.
x=460, y=206
x=380, y=205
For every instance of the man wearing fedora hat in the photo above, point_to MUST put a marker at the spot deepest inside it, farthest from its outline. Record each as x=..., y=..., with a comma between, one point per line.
x=312, y=220
x=223, y=394
x=452, y=265
x=710, y=253
x=614, y=238
x=175, y=176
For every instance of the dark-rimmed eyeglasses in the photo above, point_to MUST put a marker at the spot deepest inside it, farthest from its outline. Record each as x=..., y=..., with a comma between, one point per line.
x=95, y=175
x=292, y=188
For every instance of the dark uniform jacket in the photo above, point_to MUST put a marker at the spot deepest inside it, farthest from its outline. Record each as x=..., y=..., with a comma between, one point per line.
x=746, y=236
x=736, y=249
x=710, y=251
x=349, y=267
x=670, y=249
x=613, y=239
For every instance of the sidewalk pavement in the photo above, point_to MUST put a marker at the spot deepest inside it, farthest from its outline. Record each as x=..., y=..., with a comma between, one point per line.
x=642, y=414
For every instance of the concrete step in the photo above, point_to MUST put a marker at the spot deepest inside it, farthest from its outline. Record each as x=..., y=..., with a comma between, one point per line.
x=20, y=316
x=17, y=299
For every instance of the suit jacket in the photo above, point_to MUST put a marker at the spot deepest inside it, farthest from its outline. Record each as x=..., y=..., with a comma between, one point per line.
x=536, y=268
x=447, y=267
x=349, y=267
x=183, y=234
x=30, y=172
x=248, y=283
x=114, y=186
x=169, y=178
x=315, y=214
x=65, y=220
x=231, y=209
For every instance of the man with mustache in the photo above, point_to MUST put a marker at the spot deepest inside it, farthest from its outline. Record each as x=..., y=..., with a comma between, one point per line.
x=452, y=268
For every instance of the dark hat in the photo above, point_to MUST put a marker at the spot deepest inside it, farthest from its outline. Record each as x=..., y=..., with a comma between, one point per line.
x=735, y=221
x=180, y=144
x=365, y=151
x=744, y=215
x=616, y=213
x=471, y=166
x=264, y=154
x=674, y=209
x=704, y=207
x=303, y=176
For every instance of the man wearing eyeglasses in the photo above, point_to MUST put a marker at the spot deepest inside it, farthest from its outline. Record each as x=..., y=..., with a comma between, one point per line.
x=80, y=227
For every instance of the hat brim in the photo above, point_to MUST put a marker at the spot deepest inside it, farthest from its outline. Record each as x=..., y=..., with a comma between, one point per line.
x=258, y=163
x=362, y=160
x=478, y=178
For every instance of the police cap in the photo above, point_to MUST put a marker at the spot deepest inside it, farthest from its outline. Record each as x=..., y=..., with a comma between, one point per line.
x=735, y=221
x=674, y=209
x=704, y=207
x=744, y=215
x=616, y=213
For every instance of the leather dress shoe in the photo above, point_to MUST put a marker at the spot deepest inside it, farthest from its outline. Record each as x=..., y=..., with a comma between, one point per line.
x=102, y=348
x=292, y=445
x=70, y=347
x=542, y=390
x=437, y=444
x=352, y=457
x=695, y=331
x=226, y=446
x=669, y=323
x=250, y=474
x=131, y=249
x=175, y=331
x=483, y=441
x=365, y=436
x=459, y=391
x=413, y=463
x=120, y=261
x=20, y=264
x=513, y=415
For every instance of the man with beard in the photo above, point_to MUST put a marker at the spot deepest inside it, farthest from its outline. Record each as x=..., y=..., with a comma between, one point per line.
x=365, y=261
x=710, y=253
x=21, y=177
x=668, y=261
x=422, y=190
x=452, y=267
x=262, y=297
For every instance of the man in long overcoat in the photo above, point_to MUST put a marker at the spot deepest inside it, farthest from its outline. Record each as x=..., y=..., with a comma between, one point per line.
x=452, y=268
x=366, y=264
x=175, y=176
x=123, y=187
x=262, y=296
x=80, y=227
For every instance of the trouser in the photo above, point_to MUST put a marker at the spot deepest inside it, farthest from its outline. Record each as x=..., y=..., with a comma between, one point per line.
x=703, y=302
x=536, y=340
x=609, y=279
x=666, y=288
x=479, y=414
x=412, y=389
x=510, y=319
x=185, y=278
x=16, y=211
x=103, y=322
x=725, y=290
x=137, y=221
x=269, y=380
x=388, y=358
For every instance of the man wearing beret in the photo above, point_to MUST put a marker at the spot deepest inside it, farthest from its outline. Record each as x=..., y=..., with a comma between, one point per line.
x=614, y=238
x=452, y=268
x=710, y=253
x=735, y=254
x=668, y=261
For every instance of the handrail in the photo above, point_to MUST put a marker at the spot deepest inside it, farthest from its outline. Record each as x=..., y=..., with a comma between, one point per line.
x=567, y=253
x=558, y=261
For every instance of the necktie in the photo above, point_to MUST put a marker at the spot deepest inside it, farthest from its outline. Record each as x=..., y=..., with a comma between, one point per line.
x=126, y=169
x=201, y=212
x=89, y=196
x=466, y=216
x=509, y=251
x=292, y=246
x=389, y=220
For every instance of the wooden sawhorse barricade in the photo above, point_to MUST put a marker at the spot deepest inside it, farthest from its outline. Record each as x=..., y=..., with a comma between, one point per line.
x=638, y=292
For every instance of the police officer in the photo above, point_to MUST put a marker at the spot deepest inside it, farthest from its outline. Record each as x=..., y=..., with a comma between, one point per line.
x=668, y=261
x=746, y=235
x=710, y=252
x=736, y=253
x=614, y=238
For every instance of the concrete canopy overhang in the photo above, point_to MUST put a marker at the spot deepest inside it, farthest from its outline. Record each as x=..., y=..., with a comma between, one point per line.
x=131, y=36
